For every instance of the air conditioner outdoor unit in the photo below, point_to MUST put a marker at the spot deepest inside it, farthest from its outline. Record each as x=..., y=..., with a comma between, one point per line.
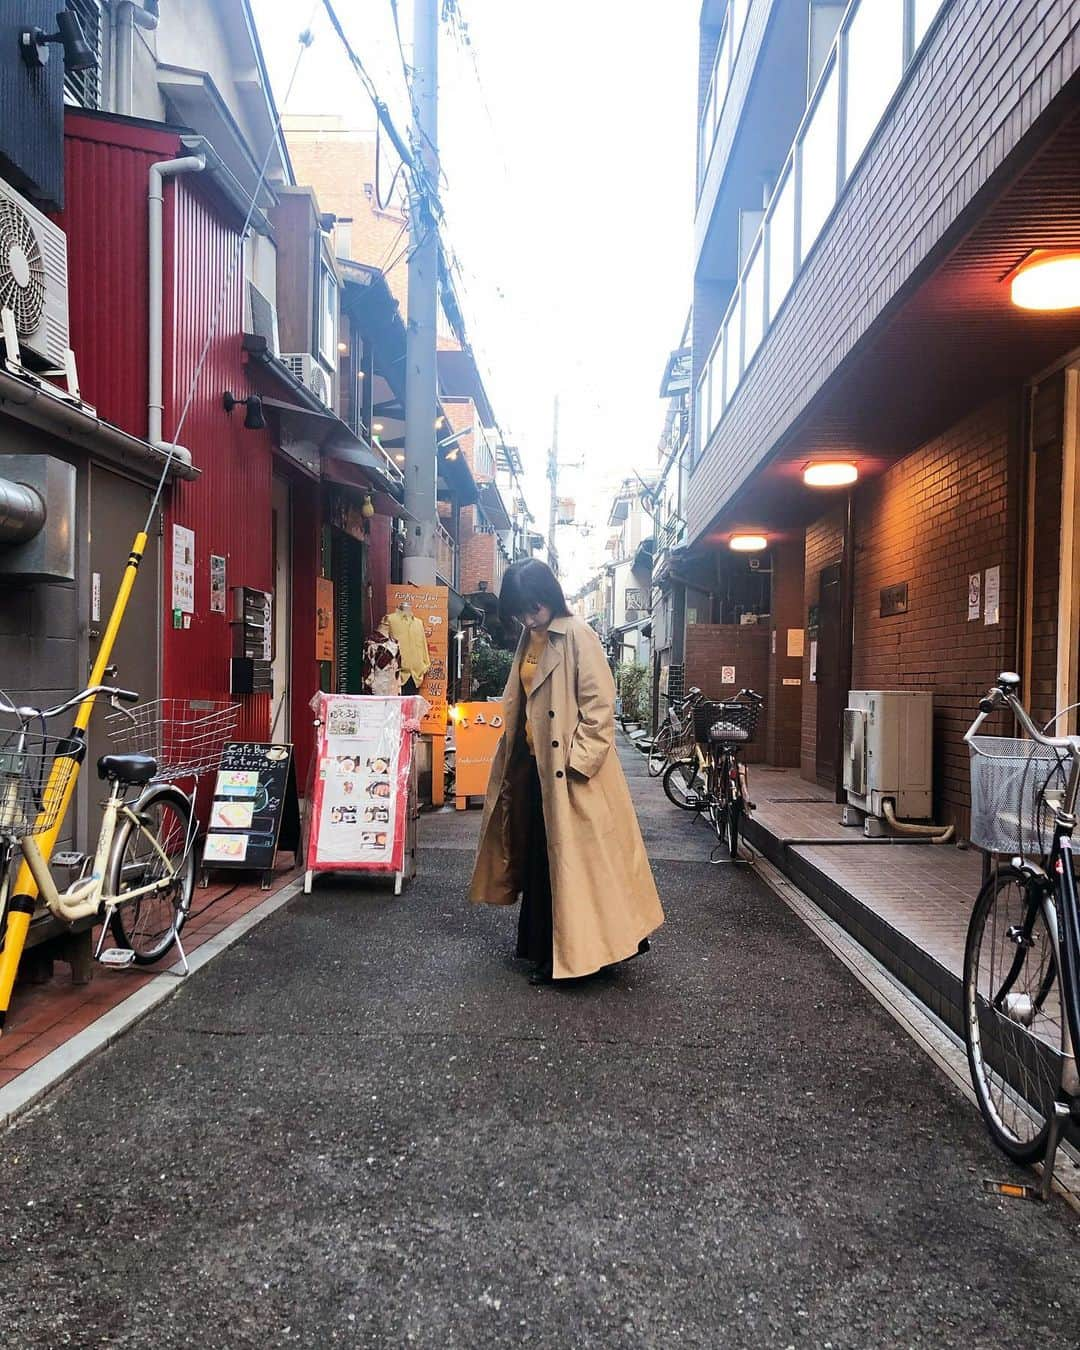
x=305, y=368
x=888, y=751
x=33, y=280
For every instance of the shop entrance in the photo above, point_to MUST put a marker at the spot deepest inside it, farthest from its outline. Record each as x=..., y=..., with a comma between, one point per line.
x=831, y=697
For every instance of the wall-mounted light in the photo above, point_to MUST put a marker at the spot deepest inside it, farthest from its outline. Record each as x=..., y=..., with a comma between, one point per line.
x=400, y=456
x=367, y=508
x=254, y=418
x=343, y=347
x=748, y=543
x=1047, y=280
x=831, y=473
x=376, y=426
x=34, y=44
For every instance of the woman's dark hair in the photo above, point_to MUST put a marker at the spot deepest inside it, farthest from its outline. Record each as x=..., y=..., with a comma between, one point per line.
x=526, y=586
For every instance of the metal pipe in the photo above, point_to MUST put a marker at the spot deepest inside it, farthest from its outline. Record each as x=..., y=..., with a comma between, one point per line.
x=165, y=168
x=22, y=512
x=937, y=834
x=129, y=15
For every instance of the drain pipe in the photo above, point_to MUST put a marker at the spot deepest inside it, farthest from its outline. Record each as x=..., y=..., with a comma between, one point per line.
x=165, y=168
x=22, y=512
x=937, y=834
x=130, y=16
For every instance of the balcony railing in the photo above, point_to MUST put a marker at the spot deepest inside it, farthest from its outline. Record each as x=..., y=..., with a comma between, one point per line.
x=727, y=49
x=445, y=556
x=874, y=46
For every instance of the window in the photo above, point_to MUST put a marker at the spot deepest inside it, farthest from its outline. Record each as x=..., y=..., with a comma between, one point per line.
x=83, y=87
x=781, y=231
x=716, y=368
x=754, y=304
x=874, y=62
x=925, y=14
x=819, y=147
x=732, y=351
x=327, y=315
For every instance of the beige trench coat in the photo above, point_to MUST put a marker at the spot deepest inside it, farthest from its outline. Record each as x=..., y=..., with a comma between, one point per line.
x=604, y=900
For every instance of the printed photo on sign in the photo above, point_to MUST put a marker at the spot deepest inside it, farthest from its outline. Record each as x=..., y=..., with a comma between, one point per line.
x=343, y=815
x=377, y=815
x=237, y=783
x=342, y=721
x=225, y=848
x=373, y=839
x=231, y=815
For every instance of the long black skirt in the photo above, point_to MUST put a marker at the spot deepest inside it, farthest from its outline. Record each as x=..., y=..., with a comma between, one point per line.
x=534, y=937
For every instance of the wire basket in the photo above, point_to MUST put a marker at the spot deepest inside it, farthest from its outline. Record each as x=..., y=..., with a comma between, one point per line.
x=728, y=723
x=35, y=772
x=1010, y=780
x=185, y=736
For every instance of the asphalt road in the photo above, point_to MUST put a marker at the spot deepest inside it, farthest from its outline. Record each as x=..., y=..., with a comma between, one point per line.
x=362, y=1127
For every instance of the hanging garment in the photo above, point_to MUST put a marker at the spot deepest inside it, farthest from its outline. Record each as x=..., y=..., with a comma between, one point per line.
x=382, y=665
x=408, y=632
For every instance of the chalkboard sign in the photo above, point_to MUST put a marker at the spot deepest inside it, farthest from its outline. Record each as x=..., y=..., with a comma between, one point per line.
x=255, y=810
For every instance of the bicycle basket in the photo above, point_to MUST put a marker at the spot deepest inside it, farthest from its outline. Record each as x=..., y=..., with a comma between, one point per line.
x=728, y=723
x=185, y=736
x=35, y=773
x=1010, y=778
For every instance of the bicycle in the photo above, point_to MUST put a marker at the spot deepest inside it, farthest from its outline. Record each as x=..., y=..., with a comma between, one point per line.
x=140, y=879
x=1021, y=986
x=713, y=780
x=677, y=729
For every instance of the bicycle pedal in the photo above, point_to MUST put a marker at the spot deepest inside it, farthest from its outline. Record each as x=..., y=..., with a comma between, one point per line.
x=117, y=956
x=68, y=859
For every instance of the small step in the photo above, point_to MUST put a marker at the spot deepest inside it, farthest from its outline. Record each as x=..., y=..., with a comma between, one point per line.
x=68, y=859
x=117, y=956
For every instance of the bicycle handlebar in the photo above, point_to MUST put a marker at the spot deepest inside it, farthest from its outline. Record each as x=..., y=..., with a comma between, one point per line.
x=1003, y=693
x=26, y=714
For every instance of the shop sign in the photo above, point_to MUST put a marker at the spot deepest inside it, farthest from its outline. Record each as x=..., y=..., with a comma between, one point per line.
x=893, y=600
x=478, y=730
x=324, y=619
x=430, y=604
x=255, y=810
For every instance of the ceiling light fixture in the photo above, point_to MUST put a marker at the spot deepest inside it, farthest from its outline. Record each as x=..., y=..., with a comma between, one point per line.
x=830, y=474
x=34, y=44
x=748, y=543
x=376, y=426
x=1047, y=280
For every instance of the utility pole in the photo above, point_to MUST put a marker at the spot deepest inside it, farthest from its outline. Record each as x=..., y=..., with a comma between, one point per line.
x=421, y=386
x=553, y=501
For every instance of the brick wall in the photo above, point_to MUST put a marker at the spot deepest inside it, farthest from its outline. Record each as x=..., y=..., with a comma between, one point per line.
x=477, y=554
x=935, y=151
x=710, y=646
x=943, y=512
x=824, y=545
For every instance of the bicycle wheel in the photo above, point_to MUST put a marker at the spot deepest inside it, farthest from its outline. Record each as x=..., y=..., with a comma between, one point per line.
x=154, y=848
x=660, y=751
x=1014, y=1021
x=684, y=785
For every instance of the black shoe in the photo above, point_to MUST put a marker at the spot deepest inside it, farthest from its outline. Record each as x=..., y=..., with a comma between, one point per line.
x=644, y=946
x=541, y=974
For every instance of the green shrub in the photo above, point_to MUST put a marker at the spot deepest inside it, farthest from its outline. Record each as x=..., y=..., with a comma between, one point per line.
x=490, y=669
x=632, y=682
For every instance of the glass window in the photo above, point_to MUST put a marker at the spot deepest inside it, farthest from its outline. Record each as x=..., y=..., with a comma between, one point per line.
x=732, y=350
x=327, y=315
x=781, y=229
x=716, y=364
x=754, y=304
x=699, y=415
x=721, y=74
x=739, y=9
x=818, y=149
x=925, y=14
x=83, y=87
x=874, y=52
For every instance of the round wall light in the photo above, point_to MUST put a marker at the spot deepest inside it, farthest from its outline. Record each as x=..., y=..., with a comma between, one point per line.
x=831, y=474
x=1048, y=280
x=748, y=543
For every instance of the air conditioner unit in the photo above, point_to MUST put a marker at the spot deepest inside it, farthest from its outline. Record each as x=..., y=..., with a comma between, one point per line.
x=33, y=280
x=305, y=368
x=888, y=751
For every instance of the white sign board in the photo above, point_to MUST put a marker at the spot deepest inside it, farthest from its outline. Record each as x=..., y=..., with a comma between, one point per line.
x=183, y=569
x=992, y=596
x=974, y=595
x=727, y=674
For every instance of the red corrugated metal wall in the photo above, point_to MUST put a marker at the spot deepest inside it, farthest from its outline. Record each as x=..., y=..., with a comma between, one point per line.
x=306, y=549
x=229, y=509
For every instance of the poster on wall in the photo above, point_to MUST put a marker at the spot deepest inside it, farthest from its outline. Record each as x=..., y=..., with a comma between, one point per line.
x=324, y=619
x=363, y=758
x=974, y=595
x=478, y=730
x=183, y=569
x=217, y=584
x=992, y=595
x=430, y=604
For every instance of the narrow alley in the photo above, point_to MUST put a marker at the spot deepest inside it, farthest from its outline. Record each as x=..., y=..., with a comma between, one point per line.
x=361, y=1126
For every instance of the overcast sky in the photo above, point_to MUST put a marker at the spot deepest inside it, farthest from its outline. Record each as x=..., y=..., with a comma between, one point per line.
x=569, y=200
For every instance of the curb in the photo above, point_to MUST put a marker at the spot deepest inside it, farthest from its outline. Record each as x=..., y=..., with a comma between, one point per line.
x=48, y=1073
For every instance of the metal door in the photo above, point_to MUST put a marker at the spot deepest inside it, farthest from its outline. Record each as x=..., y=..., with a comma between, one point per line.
x=831, y=698
x=118, y=508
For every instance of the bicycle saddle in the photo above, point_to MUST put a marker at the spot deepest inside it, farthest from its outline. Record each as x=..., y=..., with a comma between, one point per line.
x=134, y=769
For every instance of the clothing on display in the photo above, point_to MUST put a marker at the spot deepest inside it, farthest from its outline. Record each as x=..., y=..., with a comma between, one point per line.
x=408, y=632
x=382, y=664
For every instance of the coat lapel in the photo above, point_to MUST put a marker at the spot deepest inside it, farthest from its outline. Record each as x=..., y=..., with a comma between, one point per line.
x=553, y=654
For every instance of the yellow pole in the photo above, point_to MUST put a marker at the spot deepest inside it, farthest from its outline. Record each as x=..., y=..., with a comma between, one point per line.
x=62, y=779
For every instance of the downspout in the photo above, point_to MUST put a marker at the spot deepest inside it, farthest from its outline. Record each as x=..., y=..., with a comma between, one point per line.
x=166, y=168
x=129, y=15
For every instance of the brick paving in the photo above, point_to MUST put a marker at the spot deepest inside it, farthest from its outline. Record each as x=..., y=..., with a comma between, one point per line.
x=45, y=1016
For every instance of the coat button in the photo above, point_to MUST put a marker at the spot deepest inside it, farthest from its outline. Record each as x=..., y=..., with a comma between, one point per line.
x=554, y=745
x=558, y=773
x=551, y=712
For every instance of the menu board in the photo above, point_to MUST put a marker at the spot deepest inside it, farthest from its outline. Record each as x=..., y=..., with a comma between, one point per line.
x=255, y=809
x=360, y=794
x=479, y=729
x=430, y=604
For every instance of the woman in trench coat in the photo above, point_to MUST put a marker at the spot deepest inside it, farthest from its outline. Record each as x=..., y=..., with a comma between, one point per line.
x=559, y=826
